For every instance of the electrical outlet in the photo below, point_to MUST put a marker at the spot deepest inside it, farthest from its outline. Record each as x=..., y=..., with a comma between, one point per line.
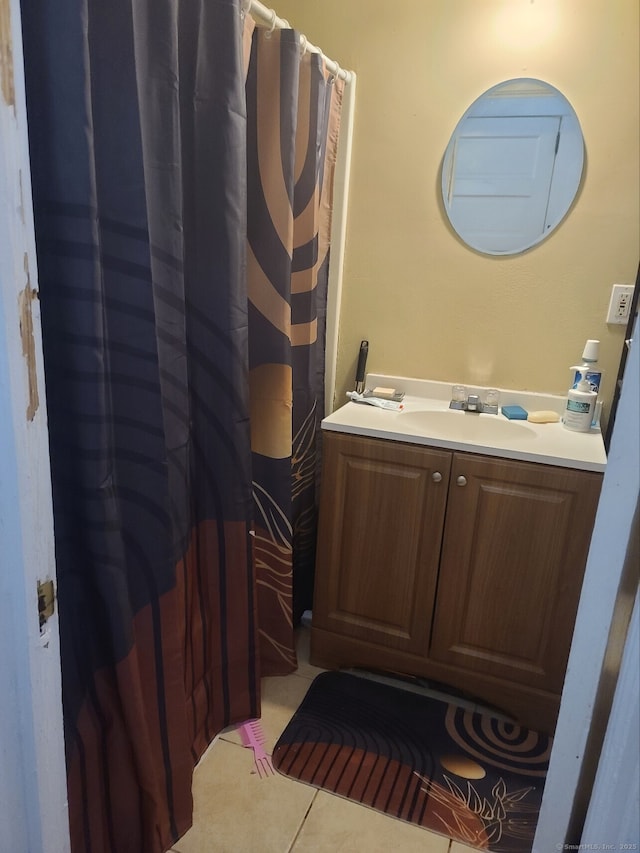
x=620, y=304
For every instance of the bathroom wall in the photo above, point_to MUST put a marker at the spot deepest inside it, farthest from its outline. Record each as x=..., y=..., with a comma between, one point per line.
x=428, y=305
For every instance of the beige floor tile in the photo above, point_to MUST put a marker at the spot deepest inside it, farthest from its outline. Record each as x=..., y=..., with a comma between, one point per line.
x=303, y=642
x=458, y=847
x=237, y=812
x=338, y=825
x=281, y=696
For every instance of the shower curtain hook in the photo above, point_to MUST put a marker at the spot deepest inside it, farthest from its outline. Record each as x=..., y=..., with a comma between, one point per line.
x=244, y=8
x=336, y=73
x=274, y=19
x=303, y=44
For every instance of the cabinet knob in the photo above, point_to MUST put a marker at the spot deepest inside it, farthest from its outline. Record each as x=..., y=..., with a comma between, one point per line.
x=461, y=481
x=436, y=476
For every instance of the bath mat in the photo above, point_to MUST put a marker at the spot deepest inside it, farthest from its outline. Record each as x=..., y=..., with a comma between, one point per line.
x=475, y=778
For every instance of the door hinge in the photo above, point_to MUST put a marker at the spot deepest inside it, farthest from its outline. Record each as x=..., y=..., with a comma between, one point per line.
x=46, y=601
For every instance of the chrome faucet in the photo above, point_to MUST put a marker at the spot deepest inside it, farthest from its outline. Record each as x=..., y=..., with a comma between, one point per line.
x=472, y=402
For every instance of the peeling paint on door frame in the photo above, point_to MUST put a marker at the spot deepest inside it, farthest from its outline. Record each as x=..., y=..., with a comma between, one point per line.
x=25, y=299
x=6, y=55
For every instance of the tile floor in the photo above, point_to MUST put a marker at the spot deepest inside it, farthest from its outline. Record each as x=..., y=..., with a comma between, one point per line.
x=237, y=812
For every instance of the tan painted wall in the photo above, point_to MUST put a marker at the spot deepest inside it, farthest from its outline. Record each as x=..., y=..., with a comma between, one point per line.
x=429, y=306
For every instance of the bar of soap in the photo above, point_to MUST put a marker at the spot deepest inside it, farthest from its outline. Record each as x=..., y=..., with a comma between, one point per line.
x=384, y=393
x=543, y=417
x=514, y=413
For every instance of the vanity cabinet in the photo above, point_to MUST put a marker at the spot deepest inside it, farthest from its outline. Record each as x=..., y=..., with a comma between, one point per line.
x=460, y=568
x=380, y=529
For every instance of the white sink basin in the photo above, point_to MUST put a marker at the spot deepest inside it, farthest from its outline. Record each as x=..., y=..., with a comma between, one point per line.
x=466, y=426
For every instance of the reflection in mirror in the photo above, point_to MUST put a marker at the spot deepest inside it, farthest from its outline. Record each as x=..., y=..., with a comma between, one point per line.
x=512, y=167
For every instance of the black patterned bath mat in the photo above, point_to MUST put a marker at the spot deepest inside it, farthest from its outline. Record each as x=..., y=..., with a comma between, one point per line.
x=475, y=778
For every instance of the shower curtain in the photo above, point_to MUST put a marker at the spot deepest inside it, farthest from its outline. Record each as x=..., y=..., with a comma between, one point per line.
x=293, y=112
x=138, y=133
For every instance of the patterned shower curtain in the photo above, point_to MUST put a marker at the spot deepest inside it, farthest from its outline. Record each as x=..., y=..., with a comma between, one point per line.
x=137, y=119
x=169, y=387
x=293, y=113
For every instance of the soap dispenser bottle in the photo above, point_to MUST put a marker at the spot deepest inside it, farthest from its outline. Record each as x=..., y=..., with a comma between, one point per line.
x=581, y=404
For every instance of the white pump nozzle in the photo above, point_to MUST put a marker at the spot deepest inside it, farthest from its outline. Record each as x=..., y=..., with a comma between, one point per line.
x=583, y=384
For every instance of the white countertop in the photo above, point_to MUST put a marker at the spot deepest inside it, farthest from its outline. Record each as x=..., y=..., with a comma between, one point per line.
x=426, y=419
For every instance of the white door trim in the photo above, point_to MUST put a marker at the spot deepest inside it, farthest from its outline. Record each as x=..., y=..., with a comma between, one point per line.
x=613, y=814
x=605, y=564
x=33, y=791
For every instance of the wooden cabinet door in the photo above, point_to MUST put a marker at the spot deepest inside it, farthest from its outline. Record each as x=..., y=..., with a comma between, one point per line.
x=514, y=551
x=380, y=530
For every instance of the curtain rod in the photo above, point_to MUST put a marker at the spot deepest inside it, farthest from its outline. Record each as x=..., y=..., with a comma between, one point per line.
x=268, y=17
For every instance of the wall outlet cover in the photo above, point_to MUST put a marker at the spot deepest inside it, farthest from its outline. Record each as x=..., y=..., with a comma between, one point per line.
x=620, y=304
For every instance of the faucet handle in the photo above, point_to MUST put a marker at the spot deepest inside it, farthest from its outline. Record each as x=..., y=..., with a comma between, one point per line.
x=492, y=397
x=458, y=397
x=491, y=400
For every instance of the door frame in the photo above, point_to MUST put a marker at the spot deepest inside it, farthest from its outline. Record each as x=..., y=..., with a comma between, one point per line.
x=591, y=674
x=33, y=791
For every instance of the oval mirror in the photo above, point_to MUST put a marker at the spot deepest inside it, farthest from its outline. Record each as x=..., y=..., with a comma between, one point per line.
x=512, y=167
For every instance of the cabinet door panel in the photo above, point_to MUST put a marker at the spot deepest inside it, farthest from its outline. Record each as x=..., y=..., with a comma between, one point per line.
x=380, y=530
x=514, y=550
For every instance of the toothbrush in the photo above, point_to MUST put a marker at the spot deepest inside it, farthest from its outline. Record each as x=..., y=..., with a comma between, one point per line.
x=362, y=362
x=251, y=734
